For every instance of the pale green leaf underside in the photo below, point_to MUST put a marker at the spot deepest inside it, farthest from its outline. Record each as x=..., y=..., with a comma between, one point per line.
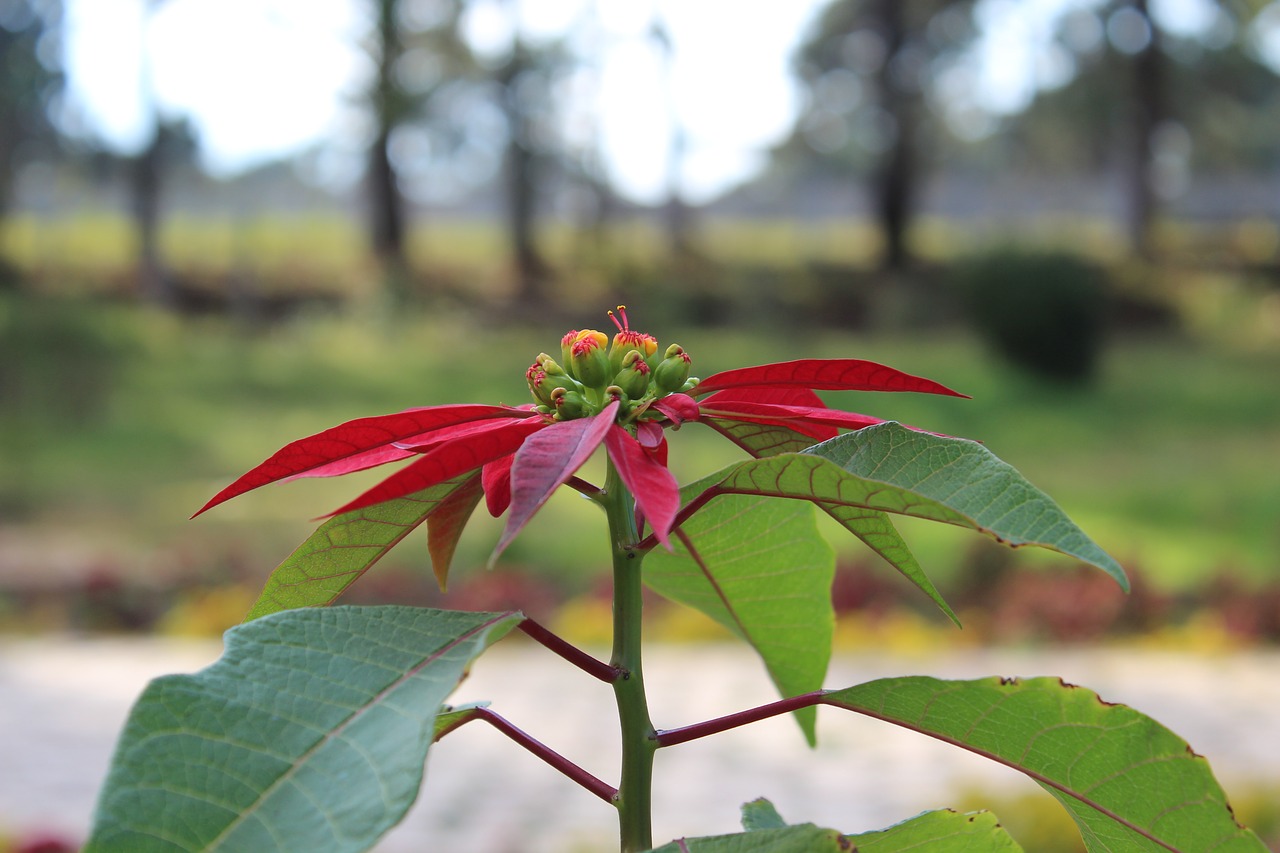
x=761, y=814
x=800, y=838
x=760, y=568
x=309, y=734
x=345, y=547
x=932, y=832
x=1129, y=783
x=943, y=831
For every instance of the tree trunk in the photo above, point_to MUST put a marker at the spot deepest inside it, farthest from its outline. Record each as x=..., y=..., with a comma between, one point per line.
x=154, y=285
x=522, y=185
x=387, y=205
x=895, y=189
x=895, y=178
x=1146, y=113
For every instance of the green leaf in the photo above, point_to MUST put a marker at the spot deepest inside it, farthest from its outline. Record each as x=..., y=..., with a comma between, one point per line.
x=1128, y=782
x=877, y=532
x=943, y=831
x=932, y=832
x=345, y=547
x=873, y=527
x=889, y=468
x=761, y=569
x=801, y=838
x=308, y=734
x=451, y=717
x=960, y=482
x=761, y=814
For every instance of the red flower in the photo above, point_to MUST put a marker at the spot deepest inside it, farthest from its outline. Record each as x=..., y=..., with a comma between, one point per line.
x=521, y=455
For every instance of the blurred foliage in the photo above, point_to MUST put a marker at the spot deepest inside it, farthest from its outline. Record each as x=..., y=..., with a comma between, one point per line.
x=1039, y=823
x=1217, y=110
x=136, y=416
x=1045, y=312
x=56, y=359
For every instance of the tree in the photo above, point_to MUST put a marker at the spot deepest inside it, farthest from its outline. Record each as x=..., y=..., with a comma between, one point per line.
x=30, y=80
x=391, y=106
x=416, y=49
x=676, y=214
x=170, y=143
x=525, y=85
x=867, y=68
x=1152, y=107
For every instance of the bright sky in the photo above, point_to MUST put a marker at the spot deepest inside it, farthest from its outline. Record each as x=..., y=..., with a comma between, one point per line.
x=268, y=78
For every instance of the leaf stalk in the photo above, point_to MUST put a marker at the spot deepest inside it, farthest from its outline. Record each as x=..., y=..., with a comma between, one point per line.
x=671, y=737
x=571, y=653
x=600, y=788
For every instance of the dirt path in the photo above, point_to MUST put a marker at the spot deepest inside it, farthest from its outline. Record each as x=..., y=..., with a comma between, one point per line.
x=62, y=703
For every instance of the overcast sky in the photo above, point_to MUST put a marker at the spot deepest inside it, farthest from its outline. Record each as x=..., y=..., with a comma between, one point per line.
x=262, y=79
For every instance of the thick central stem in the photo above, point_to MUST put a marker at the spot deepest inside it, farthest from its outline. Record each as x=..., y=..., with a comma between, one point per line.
x=634, y=800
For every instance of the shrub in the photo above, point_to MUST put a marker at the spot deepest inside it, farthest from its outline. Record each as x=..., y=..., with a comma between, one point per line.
x=1044, y=312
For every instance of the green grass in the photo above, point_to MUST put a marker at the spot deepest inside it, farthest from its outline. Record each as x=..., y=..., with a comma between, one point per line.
x=1169, y=461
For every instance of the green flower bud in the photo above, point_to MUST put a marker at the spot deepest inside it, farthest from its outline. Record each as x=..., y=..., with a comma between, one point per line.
x=588, y=359
x=633, y=378
x=627, y=340
x=566, y=346
x=671, y=374
x=568, y=404
x=545, y=376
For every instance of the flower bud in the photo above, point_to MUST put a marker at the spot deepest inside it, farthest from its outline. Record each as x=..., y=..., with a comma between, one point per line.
x=546, y=376
x=535, y=376
x=566, y=346
x=633, y=378
x=587, y=359
x=628, y=339
x=625, y=404
x=568, y=404
x=670, y=375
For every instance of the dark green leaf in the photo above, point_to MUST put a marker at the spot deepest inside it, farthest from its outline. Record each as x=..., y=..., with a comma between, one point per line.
x=889, y=468
x=1129, y=783
x=309, y=734
x=957, y=481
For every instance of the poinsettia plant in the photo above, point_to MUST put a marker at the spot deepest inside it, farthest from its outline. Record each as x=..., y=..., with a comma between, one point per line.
x=312, y=730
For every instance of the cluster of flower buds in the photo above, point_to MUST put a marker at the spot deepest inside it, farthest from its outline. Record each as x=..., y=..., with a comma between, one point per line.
x=594, y=371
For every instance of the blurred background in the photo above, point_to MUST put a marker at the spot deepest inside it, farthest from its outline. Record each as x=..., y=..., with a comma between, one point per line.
x=226, y=224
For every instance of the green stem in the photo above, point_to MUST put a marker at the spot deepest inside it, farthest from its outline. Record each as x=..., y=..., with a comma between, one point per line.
x=634, y=798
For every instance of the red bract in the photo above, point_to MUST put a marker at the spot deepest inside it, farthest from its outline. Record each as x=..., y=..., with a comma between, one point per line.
x=772, y=408
x=519, y=456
